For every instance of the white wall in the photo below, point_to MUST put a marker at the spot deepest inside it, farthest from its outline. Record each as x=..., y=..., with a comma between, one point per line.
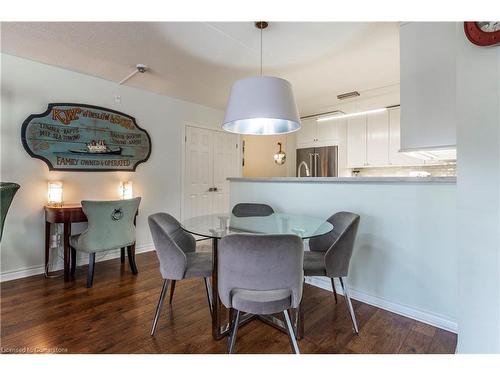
x=478, y=195
x=27, y=87
x=405, y=257
x=450, y=86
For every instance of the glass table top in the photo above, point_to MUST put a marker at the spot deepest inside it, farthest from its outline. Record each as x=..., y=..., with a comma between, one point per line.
x=220, y=225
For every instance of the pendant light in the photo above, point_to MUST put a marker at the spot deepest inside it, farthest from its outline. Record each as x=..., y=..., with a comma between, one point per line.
x=280, y=156
x=261, y=105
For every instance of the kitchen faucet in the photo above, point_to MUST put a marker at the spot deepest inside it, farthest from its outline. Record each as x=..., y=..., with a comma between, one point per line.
x=307, y=169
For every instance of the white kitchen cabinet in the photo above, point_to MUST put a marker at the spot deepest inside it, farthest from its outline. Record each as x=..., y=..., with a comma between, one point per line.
x=396, y=157
x=377, y=142
x=356, y=142
x=328, y=130
x=317, y=134
x=374, y=141
x=307, y=133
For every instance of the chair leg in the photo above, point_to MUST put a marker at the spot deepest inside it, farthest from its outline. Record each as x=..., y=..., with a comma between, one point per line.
x=131, y=258
x=73, y=261
x=349, y=306
x=159, y=306
x=234, y=331
x=122, y=255
x=291, y=334
x=334, y=290
x=172, y=289
x=90, y=274
x=208, y=288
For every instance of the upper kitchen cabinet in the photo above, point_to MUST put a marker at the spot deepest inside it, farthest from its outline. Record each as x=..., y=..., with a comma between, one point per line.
x=428, y=85
x=373, y=141
x=396, y=157
x=329, y=131
x=317, y=134
x=356, y=142
x=308, y=132
x=377, y=143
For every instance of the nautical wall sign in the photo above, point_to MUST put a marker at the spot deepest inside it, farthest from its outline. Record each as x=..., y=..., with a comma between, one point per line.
x=81, y=137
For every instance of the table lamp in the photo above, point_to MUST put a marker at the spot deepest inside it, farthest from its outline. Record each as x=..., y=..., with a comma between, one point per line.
x=126, y=190
x=55, y=193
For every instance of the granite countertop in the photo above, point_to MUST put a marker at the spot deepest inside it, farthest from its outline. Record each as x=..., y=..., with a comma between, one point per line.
x=448, y=180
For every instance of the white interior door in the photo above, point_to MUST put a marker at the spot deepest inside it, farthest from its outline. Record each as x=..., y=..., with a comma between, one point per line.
x=226, y=164
x=211, y=157
x=198, y=174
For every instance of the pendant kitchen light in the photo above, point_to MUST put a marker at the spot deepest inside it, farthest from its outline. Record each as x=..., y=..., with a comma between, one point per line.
x=261, y=105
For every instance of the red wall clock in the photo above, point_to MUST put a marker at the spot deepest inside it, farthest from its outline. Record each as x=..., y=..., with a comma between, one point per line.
x=483, y=33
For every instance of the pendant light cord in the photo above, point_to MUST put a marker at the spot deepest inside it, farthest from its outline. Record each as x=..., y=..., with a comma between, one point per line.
x=261, y=51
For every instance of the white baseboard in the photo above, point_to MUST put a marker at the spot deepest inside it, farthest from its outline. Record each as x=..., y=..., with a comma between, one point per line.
x=397, y=308
x=82, y=259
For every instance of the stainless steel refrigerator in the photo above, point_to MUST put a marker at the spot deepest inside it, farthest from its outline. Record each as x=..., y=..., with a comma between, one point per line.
x=317, y=162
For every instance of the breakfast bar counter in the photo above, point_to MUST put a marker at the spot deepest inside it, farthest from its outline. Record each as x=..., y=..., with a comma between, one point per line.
x=405, y=250
x=448, y=180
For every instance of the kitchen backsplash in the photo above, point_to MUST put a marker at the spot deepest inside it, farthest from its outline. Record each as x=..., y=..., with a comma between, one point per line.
x=443, y=170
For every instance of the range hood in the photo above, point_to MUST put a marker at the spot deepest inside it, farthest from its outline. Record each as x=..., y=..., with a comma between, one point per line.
x=433, y=154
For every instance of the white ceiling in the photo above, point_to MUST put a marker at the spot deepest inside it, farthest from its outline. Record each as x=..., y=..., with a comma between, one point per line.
x=198, y=61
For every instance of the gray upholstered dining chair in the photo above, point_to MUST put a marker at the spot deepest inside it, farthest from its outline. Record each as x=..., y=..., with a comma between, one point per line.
x=176, y=251
x=252, y=209
x=330, y=254
x=110, y=226
x=260, y=274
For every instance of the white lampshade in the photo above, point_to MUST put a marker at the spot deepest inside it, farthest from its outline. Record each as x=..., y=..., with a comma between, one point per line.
x=126, y=191
x=55, y=193
x=261, y=106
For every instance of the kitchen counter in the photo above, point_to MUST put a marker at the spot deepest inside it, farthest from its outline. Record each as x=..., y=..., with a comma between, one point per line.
x=448, y=180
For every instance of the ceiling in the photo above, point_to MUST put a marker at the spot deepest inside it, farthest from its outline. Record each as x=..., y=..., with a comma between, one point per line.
x=198, y=61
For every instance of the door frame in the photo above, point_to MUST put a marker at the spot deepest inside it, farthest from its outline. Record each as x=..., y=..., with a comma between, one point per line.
x=183, y=158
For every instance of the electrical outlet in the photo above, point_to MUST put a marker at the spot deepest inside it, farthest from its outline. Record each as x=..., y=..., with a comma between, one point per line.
x=118, y=99
x=55, y=240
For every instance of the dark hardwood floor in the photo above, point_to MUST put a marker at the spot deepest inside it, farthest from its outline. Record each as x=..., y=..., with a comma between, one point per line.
x=46, y=315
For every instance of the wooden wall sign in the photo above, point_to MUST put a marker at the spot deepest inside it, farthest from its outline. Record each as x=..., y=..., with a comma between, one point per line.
x=81, y=137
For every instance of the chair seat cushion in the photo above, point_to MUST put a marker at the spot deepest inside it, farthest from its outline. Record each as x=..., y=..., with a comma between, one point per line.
x=199, y=264
x=261, y=302
x=314, y=263
x=74, y=243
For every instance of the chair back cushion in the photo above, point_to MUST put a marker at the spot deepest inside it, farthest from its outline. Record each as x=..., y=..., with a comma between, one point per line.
x=260, y=263
x=338, y=244
x=171, y=244
x=7, y=192
x=110, y=224
x=252, y=209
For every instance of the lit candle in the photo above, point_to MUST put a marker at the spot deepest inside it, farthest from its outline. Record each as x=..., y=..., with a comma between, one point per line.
x=55, y=193
x=126, y=190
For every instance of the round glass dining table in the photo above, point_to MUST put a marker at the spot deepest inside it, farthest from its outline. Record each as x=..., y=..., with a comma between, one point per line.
x=219, y=225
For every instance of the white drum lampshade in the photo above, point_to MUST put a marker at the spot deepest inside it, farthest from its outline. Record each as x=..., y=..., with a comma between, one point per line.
x=261, y=106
